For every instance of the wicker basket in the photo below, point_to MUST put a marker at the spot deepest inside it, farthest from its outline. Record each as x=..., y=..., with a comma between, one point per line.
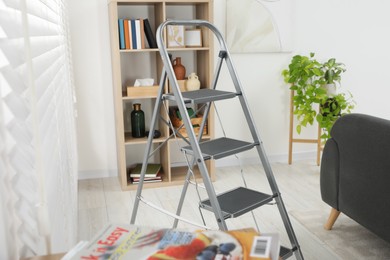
x=195, y=121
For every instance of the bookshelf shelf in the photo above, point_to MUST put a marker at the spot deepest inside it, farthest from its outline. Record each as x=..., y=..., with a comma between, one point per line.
x=131, y=64
x=129, y=140
x=139, y=50
x=190, y=49
x=126, y=98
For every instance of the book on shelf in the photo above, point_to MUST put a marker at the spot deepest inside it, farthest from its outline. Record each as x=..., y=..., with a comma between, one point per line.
x=121, y=34
x=138, y=33
x=133, y=34
x=138, y=242
x=146, y=181
x=152, y=170
x=158, y=178
x=126, y=29
x=150, y=37
x=142, y=33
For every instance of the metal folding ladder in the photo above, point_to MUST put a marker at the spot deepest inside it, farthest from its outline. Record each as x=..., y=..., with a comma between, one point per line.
x=238, y=201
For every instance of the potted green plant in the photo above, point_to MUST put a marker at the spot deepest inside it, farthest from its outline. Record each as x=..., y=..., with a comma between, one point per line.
x=309, y=79
x=332, y=75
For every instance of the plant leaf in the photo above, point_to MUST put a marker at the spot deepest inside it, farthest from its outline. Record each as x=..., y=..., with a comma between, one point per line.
x=299, y=129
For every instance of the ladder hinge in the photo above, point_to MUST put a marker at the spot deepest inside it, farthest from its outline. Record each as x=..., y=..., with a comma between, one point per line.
x=222, y=54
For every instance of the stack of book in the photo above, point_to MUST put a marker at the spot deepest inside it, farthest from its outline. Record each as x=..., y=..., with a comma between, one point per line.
x=152, y=174
x=132, y=33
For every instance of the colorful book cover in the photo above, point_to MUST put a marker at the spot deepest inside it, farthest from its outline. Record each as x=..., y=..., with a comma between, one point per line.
x=136, y=242
x=121, y=34
x=133, y=35
x=126, y=30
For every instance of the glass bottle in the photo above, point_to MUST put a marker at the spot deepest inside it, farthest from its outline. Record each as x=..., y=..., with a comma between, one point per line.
x=137, y=121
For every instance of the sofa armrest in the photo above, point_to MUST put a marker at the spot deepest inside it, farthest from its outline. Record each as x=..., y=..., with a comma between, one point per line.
x=363, y=145
x=329, y=174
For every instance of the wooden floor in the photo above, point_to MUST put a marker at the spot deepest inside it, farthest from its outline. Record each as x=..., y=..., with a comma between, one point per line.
x=102, y=201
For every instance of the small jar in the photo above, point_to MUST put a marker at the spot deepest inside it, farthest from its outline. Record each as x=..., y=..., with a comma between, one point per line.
x=137, y=121
x=193, y=82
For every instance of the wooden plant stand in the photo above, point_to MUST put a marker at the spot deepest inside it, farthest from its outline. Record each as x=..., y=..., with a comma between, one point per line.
x=292, y=140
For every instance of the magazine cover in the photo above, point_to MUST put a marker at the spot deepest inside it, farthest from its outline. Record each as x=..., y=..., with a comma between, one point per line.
x=137, y=242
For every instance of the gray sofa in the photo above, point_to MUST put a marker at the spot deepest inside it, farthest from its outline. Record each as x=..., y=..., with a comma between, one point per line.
x=355, y=172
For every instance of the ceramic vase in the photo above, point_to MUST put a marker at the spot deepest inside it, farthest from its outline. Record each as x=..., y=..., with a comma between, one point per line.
x=179, y=69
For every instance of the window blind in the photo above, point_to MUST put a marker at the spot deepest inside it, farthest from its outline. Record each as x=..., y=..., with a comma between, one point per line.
x=38, y=160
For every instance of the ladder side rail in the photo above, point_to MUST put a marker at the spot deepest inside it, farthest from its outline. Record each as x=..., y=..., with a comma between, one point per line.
x=263, y=157
x=182, y=197
x=288, y=226
x=218, y=67
x=149, y=145
x=265, y=162
x=186, y=120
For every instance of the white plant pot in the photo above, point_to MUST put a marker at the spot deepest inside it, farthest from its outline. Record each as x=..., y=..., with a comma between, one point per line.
x=330, y=89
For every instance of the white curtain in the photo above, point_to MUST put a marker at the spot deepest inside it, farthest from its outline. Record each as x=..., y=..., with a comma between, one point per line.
x=38, y=158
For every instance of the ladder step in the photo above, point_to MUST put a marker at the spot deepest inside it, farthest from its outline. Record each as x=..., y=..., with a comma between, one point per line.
x=238, y=201
x=202, y=96
x=285, y=252
x=221, y=147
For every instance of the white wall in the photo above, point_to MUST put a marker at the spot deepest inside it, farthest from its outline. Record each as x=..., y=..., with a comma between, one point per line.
x=356, y=33
x=93, y=83
x=353, y=31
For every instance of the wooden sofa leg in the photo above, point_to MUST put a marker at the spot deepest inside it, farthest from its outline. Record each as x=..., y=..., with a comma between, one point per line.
x=334, y=213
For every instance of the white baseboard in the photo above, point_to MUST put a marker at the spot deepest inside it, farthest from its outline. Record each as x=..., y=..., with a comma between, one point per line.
x=225, y=162
x=84, y=175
